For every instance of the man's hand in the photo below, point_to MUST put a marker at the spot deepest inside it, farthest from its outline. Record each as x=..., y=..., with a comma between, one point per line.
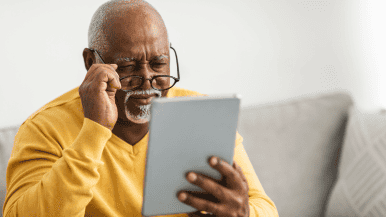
x=225, y=197
x=97, y=93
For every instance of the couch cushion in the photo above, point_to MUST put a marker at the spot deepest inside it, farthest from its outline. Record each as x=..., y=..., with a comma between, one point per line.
x=6, y=144
x=361, y=186
x=294, y=147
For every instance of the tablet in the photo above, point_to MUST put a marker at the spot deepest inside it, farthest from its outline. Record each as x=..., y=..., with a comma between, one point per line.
x=184, y=132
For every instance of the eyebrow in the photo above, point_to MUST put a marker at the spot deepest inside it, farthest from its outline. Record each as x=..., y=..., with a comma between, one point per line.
x=160, y=57
x=129, y=59
x=125, y=59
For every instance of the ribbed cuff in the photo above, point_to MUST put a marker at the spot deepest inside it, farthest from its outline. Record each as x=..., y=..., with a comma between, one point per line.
x=91, y=139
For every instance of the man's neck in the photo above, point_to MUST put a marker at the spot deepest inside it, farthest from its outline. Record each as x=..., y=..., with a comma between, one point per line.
x=130, y=132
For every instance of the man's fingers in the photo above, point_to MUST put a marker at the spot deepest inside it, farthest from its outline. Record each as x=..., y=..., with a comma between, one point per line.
x=220, y=198
x=198, y=214
x=231, y=175
x=101, y=67
x=104, y=73
x=238, y=168
x=91, y=71
x=115, y=83
x=112, y=76
x=115, y=66
x=201, y=204
x=209, y=185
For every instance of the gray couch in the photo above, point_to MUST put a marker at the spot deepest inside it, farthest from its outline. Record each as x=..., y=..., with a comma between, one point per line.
x=293, y=145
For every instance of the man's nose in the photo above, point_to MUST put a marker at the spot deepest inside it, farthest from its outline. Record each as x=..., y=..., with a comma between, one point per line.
x=146, y=72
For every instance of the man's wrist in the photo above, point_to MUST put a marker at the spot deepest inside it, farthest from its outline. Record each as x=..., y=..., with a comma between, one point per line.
x=92, y=139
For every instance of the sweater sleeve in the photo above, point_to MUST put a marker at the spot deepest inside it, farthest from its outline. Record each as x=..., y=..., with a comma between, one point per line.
x=259, y=203
x=45, y=180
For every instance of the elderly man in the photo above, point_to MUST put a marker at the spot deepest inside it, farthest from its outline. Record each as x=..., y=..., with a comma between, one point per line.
x=83, y=154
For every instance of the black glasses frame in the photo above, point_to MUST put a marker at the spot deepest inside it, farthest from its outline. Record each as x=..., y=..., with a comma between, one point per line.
x=150, y=79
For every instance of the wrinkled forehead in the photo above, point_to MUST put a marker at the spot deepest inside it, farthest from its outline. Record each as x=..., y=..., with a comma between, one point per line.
x=135, y=25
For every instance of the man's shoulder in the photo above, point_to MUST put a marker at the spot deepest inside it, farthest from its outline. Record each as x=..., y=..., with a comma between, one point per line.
x=69, y=97
x=179, y=92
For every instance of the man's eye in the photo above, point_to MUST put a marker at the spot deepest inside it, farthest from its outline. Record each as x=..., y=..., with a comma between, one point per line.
x=158, y=64
x=128, y=67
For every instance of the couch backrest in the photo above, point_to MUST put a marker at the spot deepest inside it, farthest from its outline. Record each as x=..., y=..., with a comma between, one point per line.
x=294, y=147
x=6, y=143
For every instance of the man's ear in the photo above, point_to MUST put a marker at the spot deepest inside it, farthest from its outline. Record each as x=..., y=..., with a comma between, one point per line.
x=88, y=57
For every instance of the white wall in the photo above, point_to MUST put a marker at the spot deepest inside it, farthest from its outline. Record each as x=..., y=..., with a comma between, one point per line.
x=265, y=50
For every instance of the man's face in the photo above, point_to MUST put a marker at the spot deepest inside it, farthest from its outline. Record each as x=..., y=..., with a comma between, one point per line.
x=139, y=46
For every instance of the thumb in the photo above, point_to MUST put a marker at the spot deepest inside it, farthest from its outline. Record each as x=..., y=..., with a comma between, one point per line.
x=115, y=66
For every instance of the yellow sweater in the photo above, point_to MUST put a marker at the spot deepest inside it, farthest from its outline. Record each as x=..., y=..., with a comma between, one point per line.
x=63, y=164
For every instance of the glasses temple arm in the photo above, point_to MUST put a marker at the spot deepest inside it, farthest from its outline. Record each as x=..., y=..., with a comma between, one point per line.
x=99, y=57
x=178, y=68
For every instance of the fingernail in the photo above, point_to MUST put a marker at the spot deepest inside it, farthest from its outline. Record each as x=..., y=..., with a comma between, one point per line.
x=192, y=177
x=214, y=161
x=182, y=196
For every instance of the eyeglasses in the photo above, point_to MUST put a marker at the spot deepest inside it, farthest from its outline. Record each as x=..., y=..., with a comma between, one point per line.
x=158, y=82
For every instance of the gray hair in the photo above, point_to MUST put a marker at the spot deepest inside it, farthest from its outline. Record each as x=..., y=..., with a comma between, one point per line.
x=97, y=33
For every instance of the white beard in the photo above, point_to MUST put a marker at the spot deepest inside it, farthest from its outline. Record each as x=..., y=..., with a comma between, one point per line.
x=144, y=114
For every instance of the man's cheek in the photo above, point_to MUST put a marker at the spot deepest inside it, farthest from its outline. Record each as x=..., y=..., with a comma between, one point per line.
x=164, y=93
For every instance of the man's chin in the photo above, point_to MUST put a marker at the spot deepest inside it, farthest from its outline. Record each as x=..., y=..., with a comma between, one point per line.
x=127, y=120
x=140, y=115
x=137, y=120
x=137, y=110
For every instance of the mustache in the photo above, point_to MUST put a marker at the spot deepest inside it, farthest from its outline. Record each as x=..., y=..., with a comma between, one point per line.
x=144, y=92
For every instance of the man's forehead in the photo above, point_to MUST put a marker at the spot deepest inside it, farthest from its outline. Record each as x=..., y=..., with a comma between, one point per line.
x=137, y=37
x=131, y=31
x=127, y=22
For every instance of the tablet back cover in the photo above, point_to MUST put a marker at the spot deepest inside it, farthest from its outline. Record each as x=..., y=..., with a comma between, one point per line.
x=184, y=132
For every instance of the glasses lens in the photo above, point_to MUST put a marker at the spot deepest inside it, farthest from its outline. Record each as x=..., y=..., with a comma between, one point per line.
x=160, y=83
x=130, y=83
